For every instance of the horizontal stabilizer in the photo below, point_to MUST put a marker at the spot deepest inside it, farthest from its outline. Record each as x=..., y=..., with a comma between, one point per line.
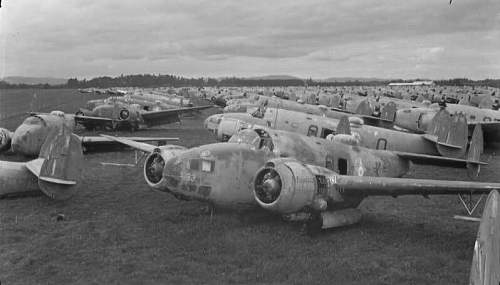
x=57, y=180
x=434, y=139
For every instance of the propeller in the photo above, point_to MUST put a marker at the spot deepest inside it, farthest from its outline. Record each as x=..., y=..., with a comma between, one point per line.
x=268, y=186
x=154, y=168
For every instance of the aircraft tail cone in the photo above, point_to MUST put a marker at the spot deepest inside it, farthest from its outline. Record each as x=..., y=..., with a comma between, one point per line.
x=475, y=150
x=59, y=165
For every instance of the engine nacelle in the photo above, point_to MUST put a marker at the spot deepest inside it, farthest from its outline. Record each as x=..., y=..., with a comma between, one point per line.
x=284, y=186
x=155, y=163
x=5, y=139
x=228, y=127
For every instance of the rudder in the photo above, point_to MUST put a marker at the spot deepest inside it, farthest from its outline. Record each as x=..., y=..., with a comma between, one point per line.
x=62, y=165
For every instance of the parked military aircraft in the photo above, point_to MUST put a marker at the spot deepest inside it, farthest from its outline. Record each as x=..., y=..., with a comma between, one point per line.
x=55, y=172
x=29, y=137
x=448, y=136
x=118, y=115
x=418, y=120
x=267, y=166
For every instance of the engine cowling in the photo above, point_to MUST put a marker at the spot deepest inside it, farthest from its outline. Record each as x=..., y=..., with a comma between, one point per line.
x=5, y=139
x=284, y=186
x=124, y=114
x=155, y=163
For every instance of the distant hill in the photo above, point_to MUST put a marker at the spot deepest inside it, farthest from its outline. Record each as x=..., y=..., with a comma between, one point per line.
x=350, y=79
x=275, y=77
x=34, y=80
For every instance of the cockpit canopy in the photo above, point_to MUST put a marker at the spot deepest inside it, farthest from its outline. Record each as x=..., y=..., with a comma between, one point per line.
x=258, y=138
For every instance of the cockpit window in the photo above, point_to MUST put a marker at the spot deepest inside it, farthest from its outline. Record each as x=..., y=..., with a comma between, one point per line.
x=194, y=164
x=266, y=141
x=207, y=165
x=313, y=131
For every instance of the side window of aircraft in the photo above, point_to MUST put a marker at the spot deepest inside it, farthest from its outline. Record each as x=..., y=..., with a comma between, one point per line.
x=487, y=119
x=194, y=164
x=472, y=117
x=381, y=144
x=313, y=131
x=207, y=165
x=325, y=132
x=342, y=166
x=329, y=162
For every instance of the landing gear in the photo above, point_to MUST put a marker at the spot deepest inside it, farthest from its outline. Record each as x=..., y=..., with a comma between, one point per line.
x=312, y=226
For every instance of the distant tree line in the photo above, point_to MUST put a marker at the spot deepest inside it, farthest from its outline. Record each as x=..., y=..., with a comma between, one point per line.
x=468, y=82
x=152, y=80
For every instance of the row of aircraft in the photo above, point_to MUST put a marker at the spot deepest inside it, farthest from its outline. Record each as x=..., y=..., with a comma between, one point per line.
x=307, y=163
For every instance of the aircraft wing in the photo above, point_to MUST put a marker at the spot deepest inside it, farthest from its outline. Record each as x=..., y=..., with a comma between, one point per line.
x=168, y=116
x=133, y=144
x=93, y=121
x=436, y=160
x=96, y=143
x=383, y=186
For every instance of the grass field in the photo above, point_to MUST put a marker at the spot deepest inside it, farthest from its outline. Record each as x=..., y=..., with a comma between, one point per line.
x=117, y=231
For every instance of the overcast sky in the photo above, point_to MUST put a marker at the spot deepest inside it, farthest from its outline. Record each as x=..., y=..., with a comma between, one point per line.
x=309, y=38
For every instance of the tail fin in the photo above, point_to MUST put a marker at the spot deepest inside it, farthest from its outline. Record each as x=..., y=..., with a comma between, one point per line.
x=485, y=268
x=388, y=112
x=59, y=165
x=475, y=150
x=364, y=108
x=451, y=133
x=344, y=126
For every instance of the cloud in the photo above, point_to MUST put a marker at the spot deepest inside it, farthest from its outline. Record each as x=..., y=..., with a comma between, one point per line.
x=247, y=36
